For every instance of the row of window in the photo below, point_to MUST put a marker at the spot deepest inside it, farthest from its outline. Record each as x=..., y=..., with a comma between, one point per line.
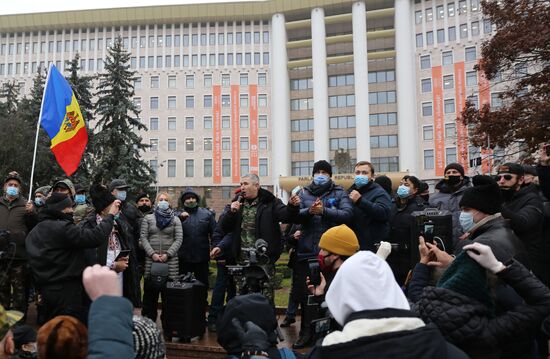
x=449, y=104
x=344, y=80
x=171, y=144
x=429, y=157
x=336, y=122
x=206, y=102
x=171, y=167
x=450, y=35
x=207, y=122
x=151, y=41
x=222, y=59
x=452, y=10
x=428, y=131
x=380, y=164
x=207, y=81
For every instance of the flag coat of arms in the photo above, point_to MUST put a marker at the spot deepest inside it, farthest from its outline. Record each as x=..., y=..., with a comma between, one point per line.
x=61, y=118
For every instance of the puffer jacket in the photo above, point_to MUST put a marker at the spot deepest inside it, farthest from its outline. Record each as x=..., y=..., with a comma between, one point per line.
x=153, y=240
x=371, y=215
x=337, y=210
x=467, y=323
x=447, y=199
x=14, y=218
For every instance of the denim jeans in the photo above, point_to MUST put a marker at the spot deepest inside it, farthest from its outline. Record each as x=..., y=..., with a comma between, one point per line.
x=222, y=285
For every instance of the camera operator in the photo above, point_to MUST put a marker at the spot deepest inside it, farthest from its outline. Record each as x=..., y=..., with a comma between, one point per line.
x=17, y=216
x=257, y=214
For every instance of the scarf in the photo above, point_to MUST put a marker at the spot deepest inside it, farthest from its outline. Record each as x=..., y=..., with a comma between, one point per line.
x=163, y=217
x=318, y=190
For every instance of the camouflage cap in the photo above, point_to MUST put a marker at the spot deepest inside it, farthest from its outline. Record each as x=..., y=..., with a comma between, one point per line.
x=13, y=175
x=8, y=318
x=44, y=190
x=67, y=184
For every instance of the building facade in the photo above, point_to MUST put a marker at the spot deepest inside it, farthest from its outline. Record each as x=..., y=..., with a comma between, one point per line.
x=270, y=87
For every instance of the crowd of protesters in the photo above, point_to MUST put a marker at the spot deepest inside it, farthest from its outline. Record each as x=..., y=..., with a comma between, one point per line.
x=82, y=253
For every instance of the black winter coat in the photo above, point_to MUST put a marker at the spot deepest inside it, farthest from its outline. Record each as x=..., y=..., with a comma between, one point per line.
x=371, y=215
x=424, y=342
x=198, y=229
x=402, y=220
x=467, y=323
x=15, y=219
x=270, y=212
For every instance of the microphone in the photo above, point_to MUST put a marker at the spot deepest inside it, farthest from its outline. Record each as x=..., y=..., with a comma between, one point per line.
x=240, y=199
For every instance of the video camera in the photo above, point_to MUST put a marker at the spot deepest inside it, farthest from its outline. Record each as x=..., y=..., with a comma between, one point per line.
x=252, y=273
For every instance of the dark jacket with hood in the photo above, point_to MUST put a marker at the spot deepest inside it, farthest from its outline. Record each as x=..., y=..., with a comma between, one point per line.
x=337, y=210
x=371, y=215
x=131, y=285
x=378, y=340
x=15, y=219
x=469, y=325
x=270, y=212
x=198, y=229
x=402, y=219
x=448, y=198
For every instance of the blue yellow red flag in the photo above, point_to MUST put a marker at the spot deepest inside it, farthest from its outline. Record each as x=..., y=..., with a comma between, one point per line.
x=63, y=121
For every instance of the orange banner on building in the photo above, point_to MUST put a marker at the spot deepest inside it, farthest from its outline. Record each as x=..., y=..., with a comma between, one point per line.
x=439, y=126
x=486, y=161
x=235, y=135
x=217, y=134
x=253, y=97
x=484, y=88
x=460, y=101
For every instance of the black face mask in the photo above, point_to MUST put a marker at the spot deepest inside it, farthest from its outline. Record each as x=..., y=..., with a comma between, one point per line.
x=507, y=193
x=144, y=208
x=68, y=216
x=453, y=180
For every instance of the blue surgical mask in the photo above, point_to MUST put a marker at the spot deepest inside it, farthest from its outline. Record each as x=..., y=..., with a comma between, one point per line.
x=320, y=179
x=403, y=191
x=121, y=195
x=80, y=198
x=163, y=205
x=12, y=191
x=39, y=201
x=466, y=220
x=361, y=180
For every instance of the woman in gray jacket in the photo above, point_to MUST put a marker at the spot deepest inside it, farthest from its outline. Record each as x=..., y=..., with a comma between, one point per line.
x=161, y=237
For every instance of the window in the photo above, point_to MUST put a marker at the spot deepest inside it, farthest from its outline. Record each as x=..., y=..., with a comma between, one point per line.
x=428, y=133
x=425, y=62
x=266, y=58
x=154, y=103
x=207, y=122
x=426, y=85
x=190, y=81
x=419, y=40
x=262, y=143
x=386, y=164
x=243, y=79
x=449, y=105
x=341, y=101
x=429, y=159
x=474, y=5
x=207, y=80
x=450, y=155
x=207, y=101
x=342, y=122
x=463, y=31
x=475, y=28
x=244, y=144
x=429, y=38
x=333, y=81
x=418, y=17
x=383, y=141
x=383, y=119
x=154, y=144
x=171, y=168
x=307, y=83
x=172, y=82
x=171, y=144
x=245, y=168
x=189, y=101
x=451, y=33
x=487, y=26
x=137, y=102
x=266, y=37
x=154, y=166
x=381, y=76
x=189, y=168
x=451, y=9
x=447, y=57
x=153, y=124
x=471, y=78
x=474, y=100
x=462, y=7
x=171, y=102
x=226, y=122
x=212, y=39
x=189, y=144
x=381, y=97
x=243, y=121
x=440, y=12
x=496, y=101
x=346, y=143
x=189, y=123
x=151, y=62
x=239, y=38
x=301, y=146
x=450, y=131
x=262, y=79
x=448, y=82
x=429, y=14
x=172, y=123
x=155, y=82
x=427, y=109
x=440, y=36
x=137, y=83
x=207, y=168
x=470, y=53
x=262, y=100
x=263, y=170
x=301, y=125
x=243, y=100
x=226, y=143
x=142, y=62
x=262, y=121
x=301, y=168
x=226, y=80
x=226, y=167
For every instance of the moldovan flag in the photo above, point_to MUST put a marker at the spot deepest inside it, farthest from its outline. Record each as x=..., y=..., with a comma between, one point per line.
x=60, y=116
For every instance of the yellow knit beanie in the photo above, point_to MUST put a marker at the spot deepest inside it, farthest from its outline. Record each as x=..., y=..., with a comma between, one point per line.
x=340, y=240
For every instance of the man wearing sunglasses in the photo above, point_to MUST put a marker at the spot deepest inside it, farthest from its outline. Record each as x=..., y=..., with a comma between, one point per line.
x=523, y=208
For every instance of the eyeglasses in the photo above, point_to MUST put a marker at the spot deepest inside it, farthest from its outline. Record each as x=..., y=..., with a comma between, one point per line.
x=506, y=177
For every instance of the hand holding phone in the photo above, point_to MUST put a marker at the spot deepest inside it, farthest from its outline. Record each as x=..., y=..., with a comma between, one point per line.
x=123, y=253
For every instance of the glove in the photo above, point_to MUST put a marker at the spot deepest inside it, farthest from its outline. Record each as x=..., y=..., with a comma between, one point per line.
x=483, y=254
x=384, y=250
x=255, y=338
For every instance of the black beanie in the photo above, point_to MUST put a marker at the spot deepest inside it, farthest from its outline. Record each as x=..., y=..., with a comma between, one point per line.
x=322, y=165
x=455, y=166
x=58, y=202
x=101, y=197
x=484, y=196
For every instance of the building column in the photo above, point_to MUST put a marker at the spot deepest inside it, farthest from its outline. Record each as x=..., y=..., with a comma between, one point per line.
x=280, y=102
x=406, y=89
x=361, y=74
x=320, y=85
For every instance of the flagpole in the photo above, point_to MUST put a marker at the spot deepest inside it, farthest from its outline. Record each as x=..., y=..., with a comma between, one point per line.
x=38, y=131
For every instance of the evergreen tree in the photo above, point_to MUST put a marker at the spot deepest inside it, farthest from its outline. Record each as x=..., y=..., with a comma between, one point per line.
x=11, y=135
x=117, y=143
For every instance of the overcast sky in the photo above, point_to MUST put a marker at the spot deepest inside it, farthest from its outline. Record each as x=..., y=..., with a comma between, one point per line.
x=31, y=6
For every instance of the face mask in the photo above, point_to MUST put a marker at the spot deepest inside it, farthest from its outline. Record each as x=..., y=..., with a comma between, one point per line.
x=466, y=220
x=12, y=191
x=320, y=179
x=80, y=198
x=507, y=193
x=322, y=265
x=403, y=191
x=190, y=205
x=163, y=205
x=361, y=180
x=121, y=195
x=144, y=208
x=39, y=202
x=453, y=180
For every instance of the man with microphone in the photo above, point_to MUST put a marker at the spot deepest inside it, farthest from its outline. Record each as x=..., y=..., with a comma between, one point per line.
x=256, y=214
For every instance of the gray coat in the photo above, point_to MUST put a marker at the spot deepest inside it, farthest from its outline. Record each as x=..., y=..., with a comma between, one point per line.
x=153, y=240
